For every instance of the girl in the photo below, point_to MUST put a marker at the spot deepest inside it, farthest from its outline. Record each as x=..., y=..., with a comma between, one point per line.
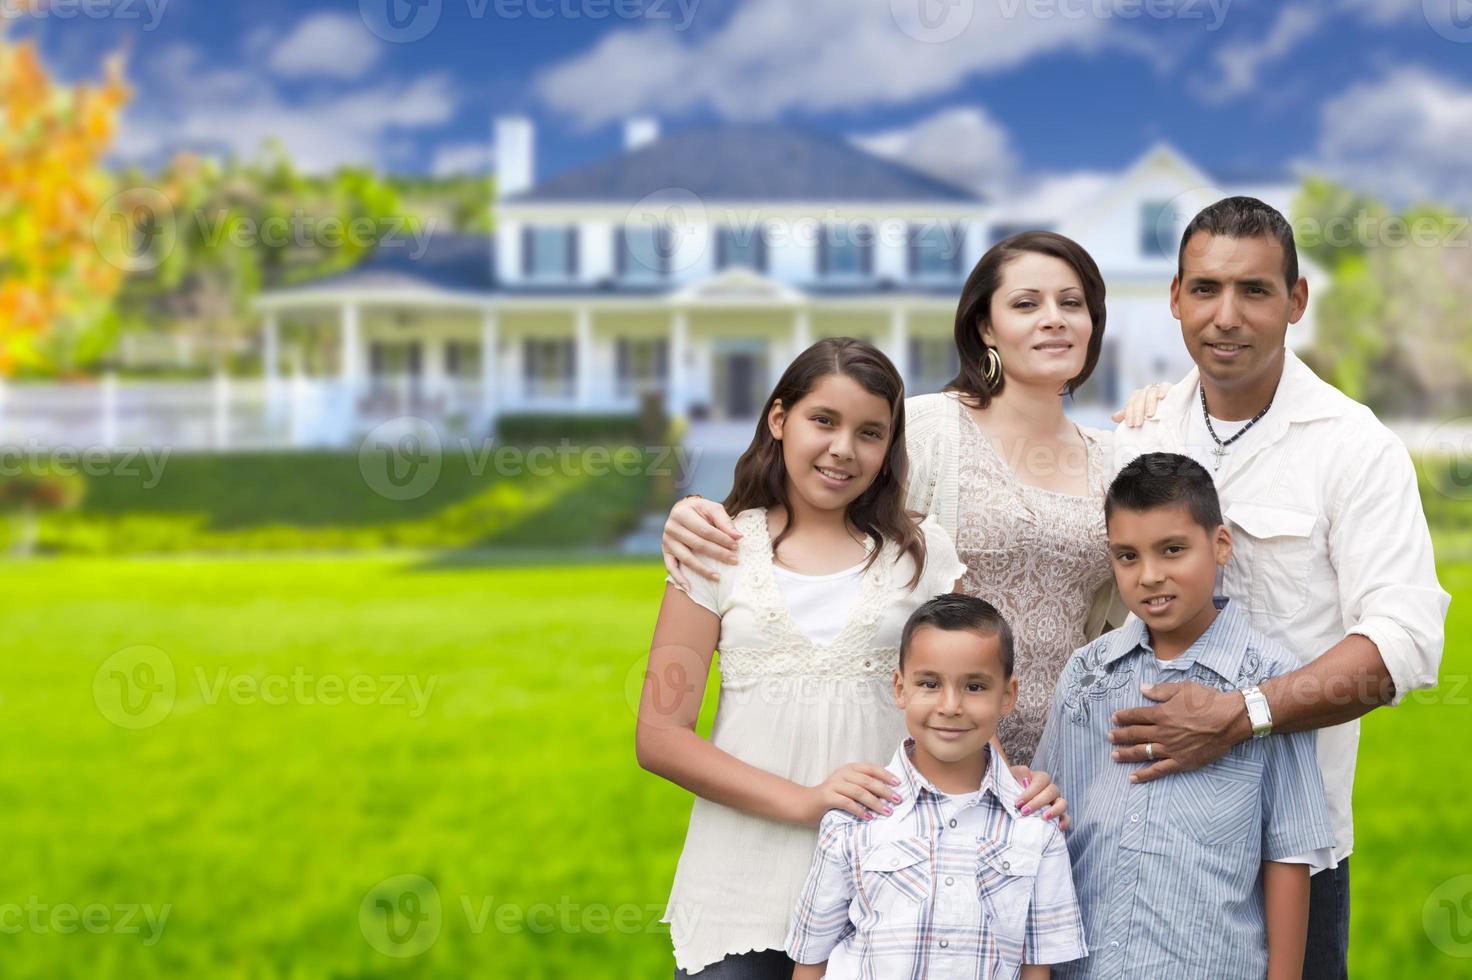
x=829, y=567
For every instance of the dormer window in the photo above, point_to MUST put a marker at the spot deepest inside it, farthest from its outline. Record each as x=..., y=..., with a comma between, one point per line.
x=549, y=252
x=741, y=245
x=935, y=250
x=643, y=251
x=1158, y=231
x=846, y=251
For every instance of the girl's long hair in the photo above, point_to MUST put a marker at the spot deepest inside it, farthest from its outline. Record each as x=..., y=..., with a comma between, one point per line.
x=879, y=512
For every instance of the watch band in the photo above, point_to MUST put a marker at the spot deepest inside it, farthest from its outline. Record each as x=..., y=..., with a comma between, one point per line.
x=1258, y=712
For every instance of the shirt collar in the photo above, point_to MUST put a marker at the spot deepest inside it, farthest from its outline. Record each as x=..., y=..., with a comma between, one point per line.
x=1221, y=648
x=998, y=780
x=1301, y=396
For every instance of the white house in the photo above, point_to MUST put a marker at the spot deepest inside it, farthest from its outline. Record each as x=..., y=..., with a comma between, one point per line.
x=697, y=263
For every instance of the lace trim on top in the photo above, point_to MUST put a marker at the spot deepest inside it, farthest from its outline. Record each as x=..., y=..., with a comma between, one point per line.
x=853, y=654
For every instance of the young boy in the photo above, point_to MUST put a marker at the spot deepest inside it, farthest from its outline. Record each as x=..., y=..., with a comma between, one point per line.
x=1204, y=874
x=955, y=882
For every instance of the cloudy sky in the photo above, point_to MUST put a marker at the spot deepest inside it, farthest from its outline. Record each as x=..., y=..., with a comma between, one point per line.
x=986, y=92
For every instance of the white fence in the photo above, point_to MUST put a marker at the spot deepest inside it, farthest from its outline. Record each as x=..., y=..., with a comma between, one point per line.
x=226, y=413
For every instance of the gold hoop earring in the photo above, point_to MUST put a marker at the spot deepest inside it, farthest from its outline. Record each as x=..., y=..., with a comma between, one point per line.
x=991, y=367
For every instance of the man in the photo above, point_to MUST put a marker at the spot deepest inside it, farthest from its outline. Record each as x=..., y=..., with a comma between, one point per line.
x=1333, y=557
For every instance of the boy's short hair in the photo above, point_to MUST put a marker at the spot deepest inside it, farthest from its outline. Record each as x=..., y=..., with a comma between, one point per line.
x=1162, y=480
x=955, y=611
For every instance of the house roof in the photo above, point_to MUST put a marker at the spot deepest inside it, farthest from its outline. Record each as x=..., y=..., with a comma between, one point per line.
x=449, y=263
x=747, y=162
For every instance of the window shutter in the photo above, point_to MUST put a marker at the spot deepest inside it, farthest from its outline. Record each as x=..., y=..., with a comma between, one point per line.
x=570, y=362
x=452, y=358
x=665, y=241
x=572, y=251
x=761, y=247
x=375, y=358
x=914, y=251
x=823, y=232
x=414, y=358
x=621, y=250
x=622, y=356
x=529, y=359
x=722, y=247
x=866, y=252
x=527, y=241
x=958, y=247
x=662, y=358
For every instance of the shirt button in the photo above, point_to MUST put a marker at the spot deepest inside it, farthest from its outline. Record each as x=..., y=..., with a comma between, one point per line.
x=867, y=663
x=944, y=943
x=1006, y=865
x=953, y=822
x=1114, y=945
x=1134, y=818
x=950, y=880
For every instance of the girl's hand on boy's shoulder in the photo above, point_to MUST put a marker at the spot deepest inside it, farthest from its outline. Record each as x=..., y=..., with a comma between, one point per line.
x=698, y=527
x=1041, y=795
x=860, y=788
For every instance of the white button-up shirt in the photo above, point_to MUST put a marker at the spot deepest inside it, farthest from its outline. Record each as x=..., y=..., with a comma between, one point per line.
x=946, y=887
x=1329, y=538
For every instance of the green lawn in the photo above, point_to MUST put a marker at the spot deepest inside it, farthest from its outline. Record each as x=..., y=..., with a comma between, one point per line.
x=267, y=828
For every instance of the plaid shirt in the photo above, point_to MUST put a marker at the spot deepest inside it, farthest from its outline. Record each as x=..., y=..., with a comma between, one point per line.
x=1169, y=872
x=944, y=887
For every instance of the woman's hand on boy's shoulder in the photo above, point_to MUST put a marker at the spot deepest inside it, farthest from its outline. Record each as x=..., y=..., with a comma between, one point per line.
x=698, y=527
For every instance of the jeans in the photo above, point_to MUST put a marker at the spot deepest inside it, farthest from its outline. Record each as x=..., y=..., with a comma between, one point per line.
x=766, y=964
x=1326, y=956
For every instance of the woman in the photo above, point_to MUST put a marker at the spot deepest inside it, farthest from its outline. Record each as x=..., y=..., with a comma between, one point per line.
x=997, y=462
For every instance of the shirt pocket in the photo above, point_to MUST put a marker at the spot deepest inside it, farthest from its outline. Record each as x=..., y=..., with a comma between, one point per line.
x=896, y=872
x=1005, y=879
x=1273, y=547
x=1221, y=803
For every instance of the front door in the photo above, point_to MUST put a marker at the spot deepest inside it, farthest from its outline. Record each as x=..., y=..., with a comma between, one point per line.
x=740, y=383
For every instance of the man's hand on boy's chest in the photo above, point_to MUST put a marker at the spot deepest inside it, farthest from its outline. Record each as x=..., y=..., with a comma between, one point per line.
x=1190, y=726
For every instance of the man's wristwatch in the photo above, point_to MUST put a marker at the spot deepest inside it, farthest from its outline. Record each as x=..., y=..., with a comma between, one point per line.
x=1257, y=711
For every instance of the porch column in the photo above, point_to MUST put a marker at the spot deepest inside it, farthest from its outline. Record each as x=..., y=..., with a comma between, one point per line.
x=348, y=369
x=270, y=361
x=899, y=340
x=802, y=332
x=584, y=358
x=679, y=351
x=489, y=342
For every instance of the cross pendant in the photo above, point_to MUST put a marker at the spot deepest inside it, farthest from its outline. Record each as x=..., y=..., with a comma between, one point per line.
x=1220, y=453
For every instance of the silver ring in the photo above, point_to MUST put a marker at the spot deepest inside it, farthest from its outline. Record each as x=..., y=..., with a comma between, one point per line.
x=1150, y=751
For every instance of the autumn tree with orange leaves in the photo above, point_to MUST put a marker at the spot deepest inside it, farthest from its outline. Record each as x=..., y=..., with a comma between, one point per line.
x=57, y=276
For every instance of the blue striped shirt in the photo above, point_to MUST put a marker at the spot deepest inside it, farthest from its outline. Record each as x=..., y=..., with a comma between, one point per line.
x=1169, y=872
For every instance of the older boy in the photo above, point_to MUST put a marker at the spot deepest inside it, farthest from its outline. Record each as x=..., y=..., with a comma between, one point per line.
x=1205, y=874
x=956, y=882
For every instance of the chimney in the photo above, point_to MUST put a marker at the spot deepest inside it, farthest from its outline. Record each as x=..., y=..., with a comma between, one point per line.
x=516, y=152
x=640, y=131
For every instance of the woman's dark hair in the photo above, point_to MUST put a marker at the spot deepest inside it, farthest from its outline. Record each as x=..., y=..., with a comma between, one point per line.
x=975, y=308
x=879, y=512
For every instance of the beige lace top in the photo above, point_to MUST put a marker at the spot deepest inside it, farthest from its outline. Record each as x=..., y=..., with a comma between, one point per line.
x=1037, y=555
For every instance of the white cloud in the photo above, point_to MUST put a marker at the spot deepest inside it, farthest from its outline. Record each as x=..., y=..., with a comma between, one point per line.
x=1241, y=61
x=325, y=46
x=963, y=145
x=186, y=103
x=463, y=158
x=1407, y=136
x=818, y=55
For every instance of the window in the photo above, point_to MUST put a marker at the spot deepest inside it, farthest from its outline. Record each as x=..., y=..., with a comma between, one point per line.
x=643, y=251
x=846, y=251
x=549, y=252
x=549, y=368
x=462, y=360
x=643, y=363
x=743, y=245
x=1006, y=229
x=933, y=362
x=935, y=250
x=1158, y=231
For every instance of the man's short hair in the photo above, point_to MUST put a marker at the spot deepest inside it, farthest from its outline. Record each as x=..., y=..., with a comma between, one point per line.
x=1164, y=480
x=954, y=611
x=1243, y=217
